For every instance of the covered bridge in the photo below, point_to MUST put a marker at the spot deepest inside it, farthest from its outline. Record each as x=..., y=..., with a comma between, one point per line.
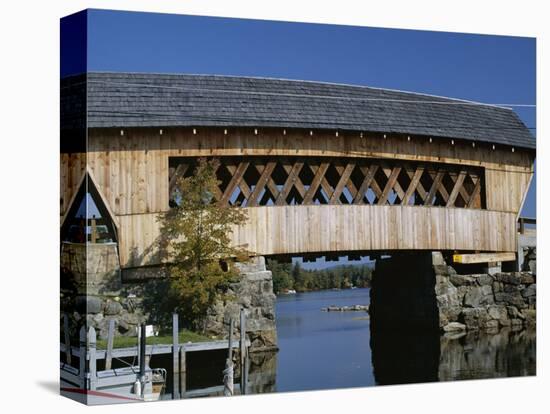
x=322, y=168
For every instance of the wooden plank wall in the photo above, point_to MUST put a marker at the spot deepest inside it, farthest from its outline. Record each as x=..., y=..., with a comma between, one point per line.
x=291, y=229
x=131, y=170
x=72, y=167
x=505, y=189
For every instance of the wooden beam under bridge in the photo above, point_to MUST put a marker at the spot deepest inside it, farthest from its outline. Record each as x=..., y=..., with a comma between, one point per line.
x=484, y=257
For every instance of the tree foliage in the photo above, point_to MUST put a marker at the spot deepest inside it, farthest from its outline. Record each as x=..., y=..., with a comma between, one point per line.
x=196, y=238
x=287, y=276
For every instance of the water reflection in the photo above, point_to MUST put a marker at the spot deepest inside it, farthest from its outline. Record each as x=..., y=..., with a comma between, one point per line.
x=328, y=350
x=404, y=358
x=478, y=355
x=407, y=358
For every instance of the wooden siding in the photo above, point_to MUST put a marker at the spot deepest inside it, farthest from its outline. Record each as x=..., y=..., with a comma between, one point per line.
x=506, y=189
x=309, y=229
x=132, y=169
x=72, y=167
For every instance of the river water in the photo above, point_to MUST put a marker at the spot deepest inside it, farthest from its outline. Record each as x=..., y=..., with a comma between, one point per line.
x=327, y=350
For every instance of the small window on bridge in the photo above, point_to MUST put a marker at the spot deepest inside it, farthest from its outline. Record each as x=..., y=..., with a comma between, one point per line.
x=88, y=220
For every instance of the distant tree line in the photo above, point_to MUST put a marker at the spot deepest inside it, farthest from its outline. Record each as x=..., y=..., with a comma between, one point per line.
x=288, y=276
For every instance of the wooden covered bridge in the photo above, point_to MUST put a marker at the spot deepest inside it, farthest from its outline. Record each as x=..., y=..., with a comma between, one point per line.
x=321, y=168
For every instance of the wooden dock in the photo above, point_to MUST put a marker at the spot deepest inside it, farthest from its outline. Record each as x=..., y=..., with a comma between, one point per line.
x=120, y=380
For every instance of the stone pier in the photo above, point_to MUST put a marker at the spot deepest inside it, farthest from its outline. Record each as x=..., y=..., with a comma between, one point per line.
x=402, y=295
x=421, y=307
x=484, y=301
x=420, y=291
x=254, y=293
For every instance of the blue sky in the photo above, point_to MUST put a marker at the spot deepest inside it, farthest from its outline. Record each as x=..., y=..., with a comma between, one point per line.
x=490, y=69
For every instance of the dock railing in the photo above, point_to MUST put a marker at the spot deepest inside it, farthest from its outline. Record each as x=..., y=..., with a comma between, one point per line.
x=87, y=377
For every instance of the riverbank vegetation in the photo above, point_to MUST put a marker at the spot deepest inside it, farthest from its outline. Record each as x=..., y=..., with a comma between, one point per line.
x=128, y=341
x=288, y=276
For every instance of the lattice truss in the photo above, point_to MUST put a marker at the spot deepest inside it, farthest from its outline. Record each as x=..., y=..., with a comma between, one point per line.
x=260, y=181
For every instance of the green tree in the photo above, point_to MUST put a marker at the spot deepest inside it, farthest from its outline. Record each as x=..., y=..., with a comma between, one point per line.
x=196, y=239
x=298, y=276
x=282, y=281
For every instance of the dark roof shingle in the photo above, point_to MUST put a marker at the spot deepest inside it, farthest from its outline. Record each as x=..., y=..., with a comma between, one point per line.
x=147, y=99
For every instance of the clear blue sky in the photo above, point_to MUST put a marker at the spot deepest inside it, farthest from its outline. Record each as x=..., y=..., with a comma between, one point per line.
x=491, y=69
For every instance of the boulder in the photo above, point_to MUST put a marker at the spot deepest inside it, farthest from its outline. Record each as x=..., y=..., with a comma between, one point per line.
x=462, y=280
x=499, y=313
x=530, y=317
x=437, y=259
x=441, y=270
x=514, y=313
x=476, y=296
x=443, y=286
x=448, y=300
x=474, y=318
x=473, y=297
x=454, y=327
x=498, y=287
x=254, y=265
x=443, y=319
x=484, y=279
x=112, y=308
x=511, y=278
x=527, y=278
x=529, y=291
x=532, y=266
x=88, y=304
x=122, y=327
x=97, y=318
x=510, y=298
x=132, y=318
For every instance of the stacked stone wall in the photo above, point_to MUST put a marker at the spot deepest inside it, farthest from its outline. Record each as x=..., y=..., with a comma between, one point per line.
x=254, y=294
x=484, y=301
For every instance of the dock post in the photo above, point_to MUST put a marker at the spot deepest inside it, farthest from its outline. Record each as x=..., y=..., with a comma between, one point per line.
x=82, y=358
x=175, y=355
x=93, y=362
x=243, y=351
x=183, y=370
x=142, y=345
x=110, y=340
x=138, y=328
x=228, y=371
x=68, y=351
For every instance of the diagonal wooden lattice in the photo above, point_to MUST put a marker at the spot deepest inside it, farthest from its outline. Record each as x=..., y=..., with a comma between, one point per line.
x=261, y=181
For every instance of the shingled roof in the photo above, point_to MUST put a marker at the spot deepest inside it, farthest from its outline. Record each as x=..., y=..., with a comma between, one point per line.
x=163, y=100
